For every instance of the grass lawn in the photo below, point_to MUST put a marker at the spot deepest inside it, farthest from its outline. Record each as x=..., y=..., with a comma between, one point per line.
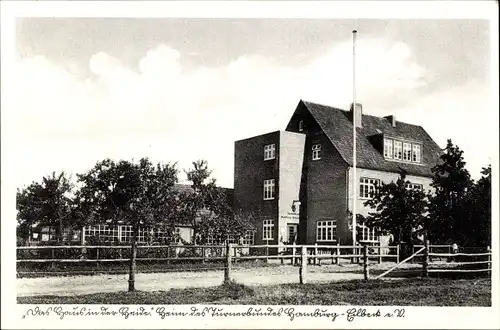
x=406, y=292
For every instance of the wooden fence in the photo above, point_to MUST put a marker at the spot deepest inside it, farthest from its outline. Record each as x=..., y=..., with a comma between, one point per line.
x=225, y=255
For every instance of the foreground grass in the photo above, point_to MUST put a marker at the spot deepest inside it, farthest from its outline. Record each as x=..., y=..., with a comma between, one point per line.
x=410, y=292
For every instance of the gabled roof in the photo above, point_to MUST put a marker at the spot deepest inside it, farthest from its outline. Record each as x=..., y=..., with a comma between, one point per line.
x=337, y=126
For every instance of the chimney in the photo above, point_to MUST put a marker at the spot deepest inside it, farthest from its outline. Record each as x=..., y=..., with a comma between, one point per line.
x=391, y=119
x=357, y=113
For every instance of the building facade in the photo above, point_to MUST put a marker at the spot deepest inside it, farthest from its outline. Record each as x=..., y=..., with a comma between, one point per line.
x=296, y=185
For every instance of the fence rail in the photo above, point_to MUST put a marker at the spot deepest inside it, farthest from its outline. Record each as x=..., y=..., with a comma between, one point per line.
x=455, y=261
x=104, y=253
x=225, y=257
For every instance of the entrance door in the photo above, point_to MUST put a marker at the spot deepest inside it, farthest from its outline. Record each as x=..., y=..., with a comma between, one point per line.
x=292, y=234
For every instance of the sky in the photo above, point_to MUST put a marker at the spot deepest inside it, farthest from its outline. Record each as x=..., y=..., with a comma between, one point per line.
x=178, y=89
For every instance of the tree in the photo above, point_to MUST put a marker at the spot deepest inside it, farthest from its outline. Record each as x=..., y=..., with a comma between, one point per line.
x=478, y=205
x=136, y=194
x=46, y=203
x=206, y=202
x=448, y=204
x=399, y=211
x=224, y=227
x=208, y=208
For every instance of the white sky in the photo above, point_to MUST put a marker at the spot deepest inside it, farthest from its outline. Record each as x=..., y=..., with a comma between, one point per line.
x=184, y=89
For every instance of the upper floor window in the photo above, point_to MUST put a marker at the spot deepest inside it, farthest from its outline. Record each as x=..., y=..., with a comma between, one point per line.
x=367, y=187
x=407, y=151
x=326, y=231
x=388, y=148
x=418, y=186
x=269, y=151
x=301, y=125
x=399, y=150
x=267, y=230
x=316, y=151
x=416, y=153
x=269, y=189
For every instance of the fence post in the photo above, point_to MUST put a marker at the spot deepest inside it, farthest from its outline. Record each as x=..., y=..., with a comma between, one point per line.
x=97, y=258
x=303, y=265
x=425, y=264
x=316, y=253
x=397, y=253
x=168, y=255
x=227, y=269
x=53, y=256
x=489, y=260
x=365, y=262
x=379, y=250
x=337, y=259
x=267, y=251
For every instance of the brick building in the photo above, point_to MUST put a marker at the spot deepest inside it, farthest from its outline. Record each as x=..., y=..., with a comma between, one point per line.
x=296, y=185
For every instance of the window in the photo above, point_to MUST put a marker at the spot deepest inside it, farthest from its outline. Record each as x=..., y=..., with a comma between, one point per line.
x=301, y=125
x=366, y=187
x=398, y=150
x=103, y=232
x=366, y=234
x=326, y=231
x=388, y=148
x=267, y=230
x=249, y=237
x=418, y=186
x=177, y=235
x=268, y=189
x=407, y=151
x=416, y=153
x=316, y=151
x=269, y=151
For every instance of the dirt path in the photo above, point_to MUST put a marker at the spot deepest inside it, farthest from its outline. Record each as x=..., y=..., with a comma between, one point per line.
x=75, y=285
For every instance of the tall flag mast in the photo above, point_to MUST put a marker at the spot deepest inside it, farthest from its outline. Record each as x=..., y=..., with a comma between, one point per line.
x=354, y=181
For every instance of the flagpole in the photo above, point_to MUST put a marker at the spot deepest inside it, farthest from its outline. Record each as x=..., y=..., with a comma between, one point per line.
x=354, y=180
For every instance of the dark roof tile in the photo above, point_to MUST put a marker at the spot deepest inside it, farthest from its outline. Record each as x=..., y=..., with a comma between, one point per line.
x=336, y=124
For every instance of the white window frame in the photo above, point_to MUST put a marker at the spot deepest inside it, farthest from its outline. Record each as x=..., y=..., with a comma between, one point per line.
x=326, y=231
x=388, y=148
x=416, y=153
x=267, y=230
x=249, y=238
x=411, y=185
x=316, y=151
x=270, y=151
x=407, y=151
x=398, y=150
x=269, y=189
x=367, y=234
x=301, y=125
x=366, y=187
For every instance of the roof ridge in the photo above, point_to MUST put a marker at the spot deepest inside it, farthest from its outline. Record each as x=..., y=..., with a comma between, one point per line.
x=364, y=114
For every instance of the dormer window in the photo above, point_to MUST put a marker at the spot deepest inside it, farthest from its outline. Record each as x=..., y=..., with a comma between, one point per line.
x=402, y=150
x=301, y=125
x=407, y=152
x=388, y=148
x=416, y=153
x=398, y=150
